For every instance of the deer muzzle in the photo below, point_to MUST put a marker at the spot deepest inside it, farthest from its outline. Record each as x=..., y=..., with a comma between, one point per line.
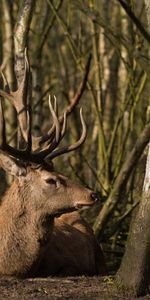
x=91, y=201
x=94, y=197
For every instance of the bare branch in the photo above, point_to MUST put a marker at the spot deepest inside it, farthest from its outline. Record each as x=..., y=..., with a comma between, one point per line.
x=135, y=20
x=121, y=179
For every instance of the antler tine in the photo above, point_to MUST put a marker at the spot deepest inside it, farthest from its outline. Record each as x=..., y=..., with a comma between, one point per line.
x=64, y=125
x=4, y=146
x=53, y=133
x=55, y=105
x=63, y=121
x=54, y=143
x=73, y=102
x=61, y=135
x=73, y=146
x=55, y=118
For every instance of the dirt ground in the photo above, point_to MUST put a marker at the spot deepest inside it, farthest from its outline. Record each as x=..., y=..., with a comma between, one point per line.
x=84, y=288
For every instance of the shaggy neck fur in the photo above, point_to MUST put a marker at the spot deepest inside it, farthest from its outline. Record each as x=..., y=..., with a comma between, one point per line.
x=24, y=233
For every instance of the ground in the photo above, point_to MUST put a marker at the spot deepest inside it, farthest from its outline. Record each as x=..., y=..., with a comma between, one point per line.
x=73, y=288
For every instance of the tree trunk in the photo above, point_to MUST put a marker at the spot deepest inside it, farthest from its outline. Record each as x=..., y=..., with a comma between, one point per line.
x=134, y=272
x=138, y=246
x=147, y=9
x=8, y=63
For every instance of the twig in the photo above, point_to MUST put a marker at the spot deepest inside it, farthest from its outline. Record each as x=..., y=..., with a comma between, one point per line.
x=135, y=20
x=121, y=180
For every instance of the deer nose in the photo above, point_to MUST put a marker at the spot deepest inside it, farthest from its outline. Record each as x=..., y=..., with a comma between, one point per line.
x=94, y=197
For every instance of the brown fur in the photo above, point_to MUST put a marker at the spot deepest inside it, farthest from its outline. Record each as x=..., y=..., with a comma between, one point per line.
x=75, y=220
x=29, y=236
x=73, y=249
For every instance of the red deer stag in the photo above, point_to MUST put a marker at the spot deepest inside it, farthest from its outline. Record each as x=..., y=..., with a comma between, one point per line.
x=33, y=240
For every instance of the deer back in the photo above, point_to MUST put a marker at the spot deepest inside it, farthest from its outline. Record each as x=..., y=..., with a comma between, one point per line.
x=73, y=250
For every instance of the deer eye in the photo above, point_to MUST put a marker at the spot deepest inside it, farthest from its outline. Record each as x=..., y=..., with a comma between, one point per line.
x=51, y=181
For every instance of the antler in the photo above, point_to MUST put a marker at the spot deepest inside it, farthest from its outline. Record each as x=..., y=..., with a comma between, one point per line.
x=39, y=149
x=74, y=146
x=19, y=99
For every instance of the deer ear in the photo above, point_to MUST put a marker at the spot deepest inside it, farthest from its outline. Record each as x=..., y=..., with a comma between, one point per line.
x=11, y=166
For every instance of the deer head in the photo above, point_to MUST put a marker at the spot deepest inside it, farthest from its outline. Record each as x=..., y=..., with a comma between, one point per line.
x=38, y=194
x=33, y=165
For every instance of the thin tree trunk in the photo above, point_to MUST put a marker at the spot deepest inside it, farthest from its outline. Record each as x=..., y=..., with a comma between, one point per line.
x=8, y=69
x=121, y=180
x=37, y=68
x=8, y=62
x=134, y=272
x=137, y=252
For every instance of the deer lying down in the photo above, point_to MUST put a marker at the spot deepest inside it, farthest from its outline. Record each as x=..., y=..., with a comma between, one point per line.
x=32, y=240
x=73, y=249
x=75, y=220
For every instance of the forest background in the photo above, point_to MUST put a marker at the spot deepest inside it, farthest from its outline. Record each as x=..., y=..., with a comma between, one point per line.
x=98, y=50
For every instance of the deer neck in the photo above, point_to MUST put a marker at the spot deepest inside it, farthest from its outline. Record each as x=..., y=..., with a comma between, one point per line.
x=17, y=208
x=24, y=235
